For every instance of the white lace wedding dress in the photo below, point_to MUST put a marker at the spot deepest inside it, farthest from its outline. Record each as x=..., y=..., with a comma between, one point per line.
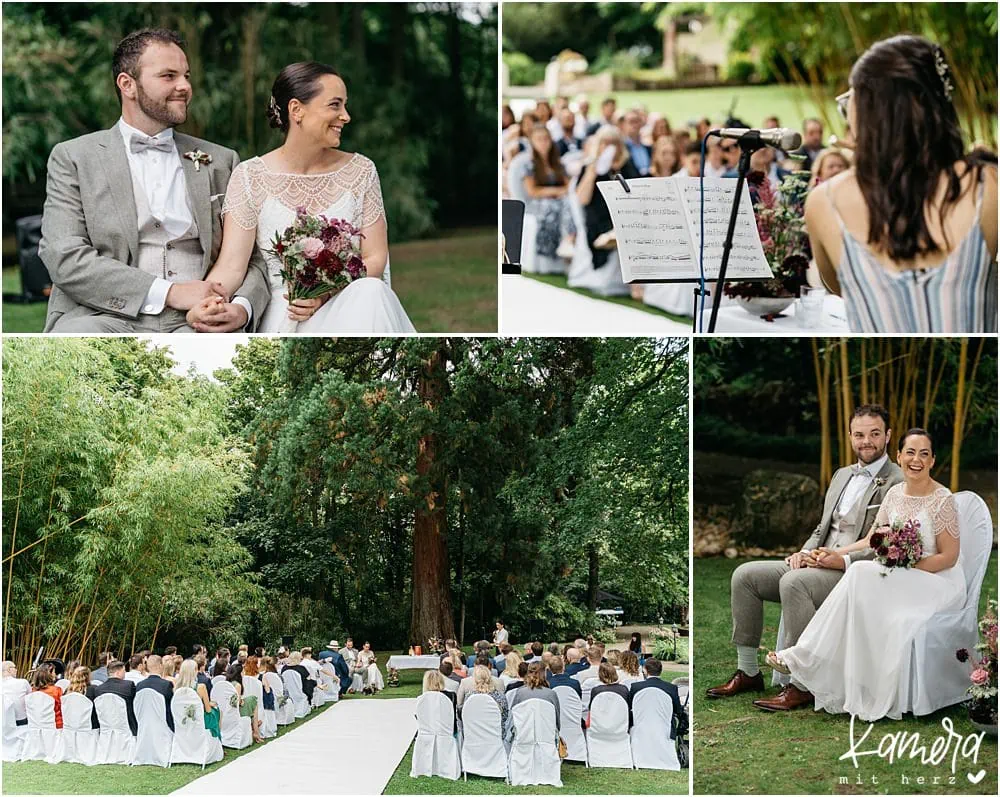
x=260, y=198
x=854, y=656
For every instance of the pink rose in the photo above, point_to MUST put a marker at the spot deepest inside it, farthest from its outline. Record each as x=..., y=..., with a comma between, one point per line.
x=311, y=247
x=980, y=676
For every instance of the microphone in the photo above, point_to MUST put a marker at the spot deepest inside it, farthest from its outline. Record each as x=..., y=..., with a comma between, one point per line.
x=780, y=137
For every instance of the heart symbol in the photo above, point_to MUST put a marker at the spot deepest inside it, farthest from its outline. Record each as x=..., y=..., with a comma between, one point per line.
x=977, y=777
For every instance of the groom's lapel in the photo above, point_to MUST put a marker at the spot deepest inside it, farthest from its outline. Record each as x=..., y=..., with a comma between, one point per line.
x=119, y=176
x=199, y=191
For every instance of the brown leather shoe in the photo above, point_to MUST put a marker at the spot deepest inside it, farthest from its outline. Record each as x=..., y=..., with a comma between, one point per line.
x=740, y=682
x=789, y=698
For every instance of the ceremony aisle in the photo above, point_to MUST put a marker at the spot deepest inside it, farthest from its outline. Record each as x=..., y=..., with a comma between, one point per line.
x=352, y=749
x=531, y=307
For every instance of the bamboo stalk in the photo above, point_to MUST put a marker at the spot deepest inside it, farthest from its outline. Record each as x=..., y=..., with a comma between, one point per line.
x=10, y=574
x=845, y=388
x=956, y=439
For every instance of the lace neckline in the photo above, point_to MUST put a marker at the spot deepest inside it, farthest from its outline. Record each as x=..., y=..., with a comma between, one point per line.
x=276, y=173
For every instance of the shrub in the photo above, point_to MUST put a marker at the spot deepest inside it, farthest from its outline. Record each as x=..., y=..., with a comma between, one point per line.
x=741, y=68
x=523, y=71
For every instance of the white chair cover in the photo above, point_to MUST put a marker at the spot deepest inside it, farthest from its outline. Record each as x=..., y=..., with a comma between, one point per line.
x=116, y=744
x=331, y=683
x=534, y=753
x=63, y=683
x=937, y=678
x=283, y=714
x=436, y=750
x=42, y=741
x=79, y=737
x=154, y=738
x=587, y=687
x=570, y=727
x=607, y=737
x=12, y=734
x=483, y=750
x=451, y=686
x=236, y=730
x=293, y=683
x=375, y=677
x=269, y=717
x=510, y=697
x=606, y=280
x=683, y=684
x=218, y=679
x=652, y=747
x=253, y=688
x=192, y=742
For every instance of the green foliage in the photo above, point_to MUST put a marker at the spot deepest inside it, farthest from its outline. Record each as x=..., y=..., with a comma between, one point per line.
x=523, y=71
x=740, y=68
x=57, y=85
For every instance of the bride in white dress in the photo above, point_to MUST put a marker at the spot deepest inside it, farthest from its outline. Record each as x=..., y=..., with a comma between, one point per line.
x=854, y=656
x=308, y=103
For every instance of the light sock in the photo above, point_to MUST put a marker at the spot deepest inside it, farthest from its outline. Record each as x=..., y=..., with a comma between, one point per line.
x=746, y=659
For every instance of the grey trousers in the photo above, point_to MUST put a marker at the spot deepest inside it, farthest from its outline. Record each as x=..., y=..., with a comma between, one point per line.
x=800, y=593
x=169, y=320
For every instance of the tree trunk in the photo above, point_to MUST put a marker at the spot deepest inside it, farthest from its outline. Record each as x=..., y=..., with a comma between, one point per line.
x=460, y=568
x=431, y=613
x=593, y=576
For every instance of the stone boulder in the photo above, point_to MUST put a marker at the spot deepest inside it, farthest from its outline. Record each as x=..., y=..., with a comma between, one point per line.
x=776, y=509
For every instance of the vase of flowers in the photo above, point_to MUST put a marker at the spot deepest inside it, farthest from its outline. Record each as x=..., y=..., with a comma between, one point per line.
x=982, y=702
x=782, y=230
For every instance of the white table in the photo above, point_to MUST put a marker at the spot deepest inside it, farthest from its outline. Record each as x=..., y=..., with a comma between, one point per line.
x=413, y=663
x=733, y=318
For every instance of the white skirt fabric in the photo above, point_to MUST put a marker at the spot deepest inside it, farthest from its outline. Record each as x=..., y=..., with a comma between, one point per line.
x=366, y=306
x=854, y=656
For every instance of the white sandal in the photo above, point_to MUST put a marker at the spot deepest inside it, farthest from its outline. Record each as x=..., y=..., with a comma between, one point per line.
x=775, y=663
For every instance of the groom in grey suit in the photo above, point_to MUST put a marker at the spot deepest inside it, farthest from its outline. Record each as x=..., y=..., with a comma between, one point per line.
x=132, y=218
x=802, y=581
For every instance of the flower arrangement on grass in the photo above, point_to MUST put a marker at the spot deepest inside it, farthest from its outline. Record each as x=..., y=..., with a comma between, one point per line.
x=982, y=692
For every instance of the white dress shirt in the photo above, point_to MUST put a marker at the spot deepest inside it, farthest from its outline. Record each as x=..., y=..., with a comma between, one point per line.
x=161, y=175
x=856, y=487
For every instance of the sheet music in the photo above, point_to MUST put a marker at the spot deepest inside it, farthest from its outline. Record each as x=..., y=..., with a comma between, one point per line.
x=658, y=229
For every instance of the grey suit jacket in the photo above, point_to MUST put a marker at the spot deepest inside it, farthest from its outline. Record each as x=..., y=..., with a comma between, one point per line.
x=90, y=228
x=863, y=512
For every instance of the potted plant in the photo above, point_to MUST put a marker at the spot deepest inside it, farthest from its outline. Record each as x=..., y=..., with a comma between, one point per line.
x=982, y=702
x=782, y=229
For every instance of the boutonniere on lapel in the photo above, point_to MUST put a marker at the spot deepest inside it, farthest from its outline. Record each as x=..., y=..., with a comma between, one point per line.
x=199, y=158
x=879, y=482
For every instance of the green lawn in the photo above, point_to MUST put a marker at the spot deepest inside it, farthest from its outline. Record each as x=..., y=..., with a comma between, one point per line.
x=738, y=749
x=753, y=103
x=37, y=777
x=560, y=281
x=448, y=284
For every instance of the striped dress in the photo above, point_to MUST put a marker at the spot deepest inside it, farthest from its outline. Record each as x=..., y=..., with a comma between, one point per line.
x=956, y=295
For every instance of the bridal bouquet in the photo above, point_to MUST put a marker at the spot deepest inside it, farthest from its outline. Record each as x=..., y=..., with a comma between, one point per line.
x=318, y=255
x=899, y=545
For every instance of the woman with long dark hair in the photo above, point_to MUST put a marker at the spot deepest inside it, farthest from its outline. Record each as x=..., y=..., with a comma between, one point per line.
x=547, y=187
x=909, y=235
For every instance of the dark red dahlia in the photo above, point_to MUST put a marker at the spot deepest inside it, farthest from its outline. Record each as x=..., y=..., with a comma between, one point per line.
x=756, y=178
x=877, y=539
x=962, y=655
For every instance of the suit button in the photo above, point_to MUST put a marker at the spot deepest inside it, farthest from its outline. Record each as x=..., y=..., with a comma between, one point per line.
x=170, y=273
x=157, y=225
x=148, y=308
x=170, y=246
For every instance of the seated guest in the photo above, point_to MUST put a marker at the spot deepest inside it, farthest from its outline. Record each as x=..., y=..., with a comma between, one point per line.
x=715, y=164
x=635, y=644
x=294, y=663
x=536, y=650
x=136, y=668
x=327, y=652
x=522, y=671
x=528, y=653
x=828, y=164
x=640, y=154
x=567, y=140
x=500, y=660
x=68, y=670
x=606, y=152
x=221, y=665
x=666, y=157
x=170, y=665
x=265, y=664
x=654, y=681
x=155, y=680
x=339, y=665
x=458, y=664
x=368, y=665
x=554, y=649
x=248, y=703
x=101, y=673
x=630, y=667
x=510, y=670
x=482, y=646
x=310, y=663
x=609, y=109
x=558, y=676
x=219, y=653
x=170, y=650
x=614, y=658
x=201, y=675
x=812, y=142
x=692, y=160
x=535, y=688
x=447, y=669
x=546, y=659
x=116, y=685
x=575, y=663
x=187, y=676
x=43, y=679
x=79, y=680
x=17, y=688
x=486, y=684
x=608, y=676
x=595, y=654
x=434, y=682
x=547, y=187
x=467, y=686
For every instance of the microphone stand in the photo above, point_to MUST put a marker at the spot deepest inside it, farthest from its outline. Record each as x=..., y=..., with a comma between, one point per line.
x=748, y=144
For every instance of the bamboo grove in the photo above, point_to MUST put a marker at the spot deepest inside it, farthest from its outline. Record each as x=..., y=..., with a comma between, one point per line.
x=392, y=489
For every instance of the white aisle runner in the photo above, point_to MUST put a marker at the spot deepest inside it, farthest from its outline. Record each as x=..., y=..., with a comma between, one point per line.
x=353, y=748
x=531, y=307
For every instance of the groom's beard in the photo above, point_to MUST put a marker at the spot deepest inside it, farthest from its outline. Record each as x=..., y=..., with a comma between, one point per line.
x=163, y=111
x=868, y=456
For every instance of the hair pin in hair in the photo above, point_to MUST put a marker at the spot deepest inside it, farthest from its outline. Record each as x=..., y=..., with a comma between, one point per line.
x=273, y=110
x=943, y=71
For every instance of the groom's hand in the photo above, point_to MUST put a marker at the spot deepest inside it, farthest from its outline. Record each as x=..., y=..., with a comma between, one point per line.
x=217, y=315
x=797, y=559
x=828, y=559
x=185, y=295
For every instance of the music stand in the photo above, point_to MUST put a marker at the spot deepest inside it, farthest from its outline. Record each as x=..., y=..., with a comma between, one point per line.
x=512, y=226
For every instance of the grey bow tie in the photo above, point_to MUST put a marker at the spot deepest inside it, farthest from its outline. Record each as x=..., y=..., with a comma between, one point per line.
x=858, y=470
x=142, y=143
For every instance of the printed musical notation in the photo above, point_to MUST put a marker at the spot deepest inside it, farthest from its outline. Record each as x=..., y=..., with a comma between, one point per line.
x=658, y=227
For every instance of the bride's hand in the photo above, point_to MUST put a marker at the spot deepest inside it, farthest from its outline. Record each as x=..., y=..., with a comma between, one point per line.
x=303, y=309
x=205, y=310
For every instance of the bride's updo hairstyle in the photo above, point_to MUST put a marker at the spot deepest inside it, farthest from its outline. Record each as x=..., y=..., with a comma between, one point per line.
x=299, y=81
x=907, y=137
x=917, y=431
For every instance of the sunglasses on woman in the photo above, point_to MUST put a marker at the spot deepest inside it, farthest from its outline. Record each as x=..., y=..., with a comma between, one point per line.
x=842, y=102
